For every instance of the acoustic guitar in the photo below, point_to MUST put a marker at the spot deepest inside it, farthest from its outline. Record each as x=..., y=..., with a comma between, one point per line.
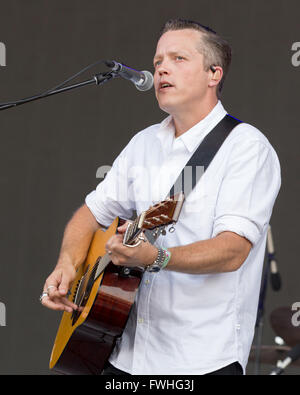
x=104, y=294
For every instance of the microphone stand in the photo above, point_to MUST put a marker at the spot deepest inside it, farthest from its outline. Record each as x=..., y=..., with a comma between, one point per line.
x=260, y=313
x=260, y=317
x=98, y=79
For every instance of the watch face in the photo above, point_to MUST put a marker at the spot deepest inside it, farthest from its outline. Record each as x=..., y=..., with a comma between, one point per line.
x=154, y=268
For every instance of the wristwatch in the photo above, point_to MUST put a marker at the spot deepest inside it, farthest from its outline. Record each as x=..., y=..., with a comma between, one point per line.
x=161, y=261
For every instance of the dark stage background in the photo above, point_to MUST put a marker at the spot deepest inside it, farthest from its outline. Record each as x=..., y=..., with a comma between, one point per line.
x=50, y=149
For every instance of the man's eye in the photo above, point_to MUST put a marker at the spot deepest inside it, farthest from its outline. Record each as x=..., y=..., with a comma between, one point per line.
x=157, y=63
x=179, y=57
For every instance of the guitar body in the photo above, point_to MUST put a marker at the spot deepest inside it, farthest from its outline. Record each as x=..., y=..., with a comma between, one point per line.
x=104, y=294
x=85, y=339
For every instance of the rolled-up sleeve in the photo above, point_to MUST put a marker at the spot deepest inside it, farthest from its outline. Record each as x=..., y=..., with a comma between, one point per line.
x=248, y=190
x=113, y=196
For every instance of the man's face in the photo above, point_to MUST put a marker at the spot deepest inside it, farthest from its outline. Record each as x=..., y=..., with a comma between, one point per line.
x=179, y=63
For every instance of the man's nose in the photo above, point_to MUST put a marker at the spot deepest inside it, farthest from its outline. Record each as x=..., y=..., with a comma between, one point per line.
x=163, y=68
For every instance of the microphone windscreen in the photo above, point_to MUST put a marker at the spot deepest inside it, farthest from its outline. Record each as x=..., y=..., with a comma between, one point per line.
x=147, y=83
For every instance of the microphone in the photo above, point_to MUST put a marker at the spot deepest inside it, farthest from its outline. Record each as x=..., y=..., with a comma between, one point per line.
x=275, y=276
x=292, y=356
x=143, y=80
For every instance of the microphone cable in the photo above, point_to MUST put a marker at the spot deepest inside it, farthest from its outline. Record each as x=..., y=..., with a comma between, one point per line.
x=49, y=91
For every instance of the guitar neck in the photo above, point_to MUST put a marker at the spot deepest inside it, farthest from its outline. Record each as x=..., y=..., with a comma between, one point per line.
x=152, y=222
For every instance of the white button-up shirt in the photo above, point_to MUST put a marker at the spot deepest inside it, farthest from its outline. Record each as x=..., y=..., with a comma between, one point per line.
x=193, y=323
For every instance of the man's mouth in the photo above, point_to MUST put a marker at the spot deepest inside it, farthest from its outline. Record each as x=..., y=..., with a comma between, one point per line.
x=163, y=86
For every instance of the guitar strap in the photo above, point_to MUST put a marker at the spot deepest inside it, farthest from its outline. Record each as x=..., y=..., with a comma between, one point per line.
x=199, y=161
x=203, y=156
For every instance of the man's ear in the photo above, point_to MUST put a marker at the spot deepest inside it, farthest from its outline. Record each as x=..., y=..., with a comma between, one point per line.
x=216, y=74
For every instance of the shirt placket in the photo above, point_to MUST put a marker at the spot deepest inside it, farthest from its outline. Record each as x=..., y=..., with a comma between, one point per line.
x=143, y=322
x=143, y=325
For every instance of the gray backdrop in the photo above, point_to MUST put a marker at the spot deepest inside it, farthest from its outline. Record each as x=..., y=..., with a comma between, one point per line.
x=51, y=149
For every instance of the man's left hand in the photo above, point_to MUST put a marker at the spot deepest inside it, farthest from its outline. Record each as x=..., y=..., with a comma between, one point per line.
x=142, y=255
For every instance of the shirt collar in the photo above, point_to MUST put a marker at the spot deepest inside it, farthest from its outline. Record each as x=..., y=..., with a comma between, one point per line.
x=192, y=137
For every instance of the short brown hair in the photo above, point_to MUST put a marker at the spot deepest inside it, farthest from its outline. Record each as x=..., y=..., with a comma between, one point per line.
x=215, y=50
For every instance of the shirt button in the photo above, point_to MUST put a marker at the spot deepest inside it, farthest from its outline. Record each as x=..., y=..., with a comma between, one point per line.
x=140, y=320
x=147, y=281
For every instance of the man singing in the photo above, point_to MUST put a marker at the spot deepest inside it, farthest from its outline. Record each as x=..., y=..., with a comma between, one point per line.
x=197, y=314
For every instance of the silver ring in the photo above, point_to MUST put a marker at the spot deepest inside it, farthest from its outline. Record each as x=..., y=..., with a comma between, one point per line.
x=43, y=295
x=109, y=252
x=50, y=286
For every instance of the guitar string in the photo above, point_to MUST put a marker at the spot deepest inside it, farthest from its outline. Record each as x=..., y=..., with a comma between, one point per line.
x=133, y=228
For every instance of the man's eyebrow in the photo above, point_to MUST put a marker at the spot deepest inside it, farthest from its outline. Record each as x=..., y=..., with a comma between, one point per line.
x=171, y=53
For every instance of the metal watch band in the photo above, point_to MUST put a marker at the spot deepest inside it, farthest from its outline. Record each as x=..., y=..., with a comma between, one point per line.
x=158, y=263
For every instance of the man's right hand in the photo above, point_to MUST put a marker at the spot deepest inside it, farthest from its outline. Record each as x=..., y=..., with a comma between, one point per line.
x=76, y=241
x=57, y=286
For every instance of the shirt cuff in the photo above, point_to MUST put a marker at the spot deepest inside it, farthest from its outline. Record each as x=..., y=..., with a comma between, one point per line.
x=240, y=225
